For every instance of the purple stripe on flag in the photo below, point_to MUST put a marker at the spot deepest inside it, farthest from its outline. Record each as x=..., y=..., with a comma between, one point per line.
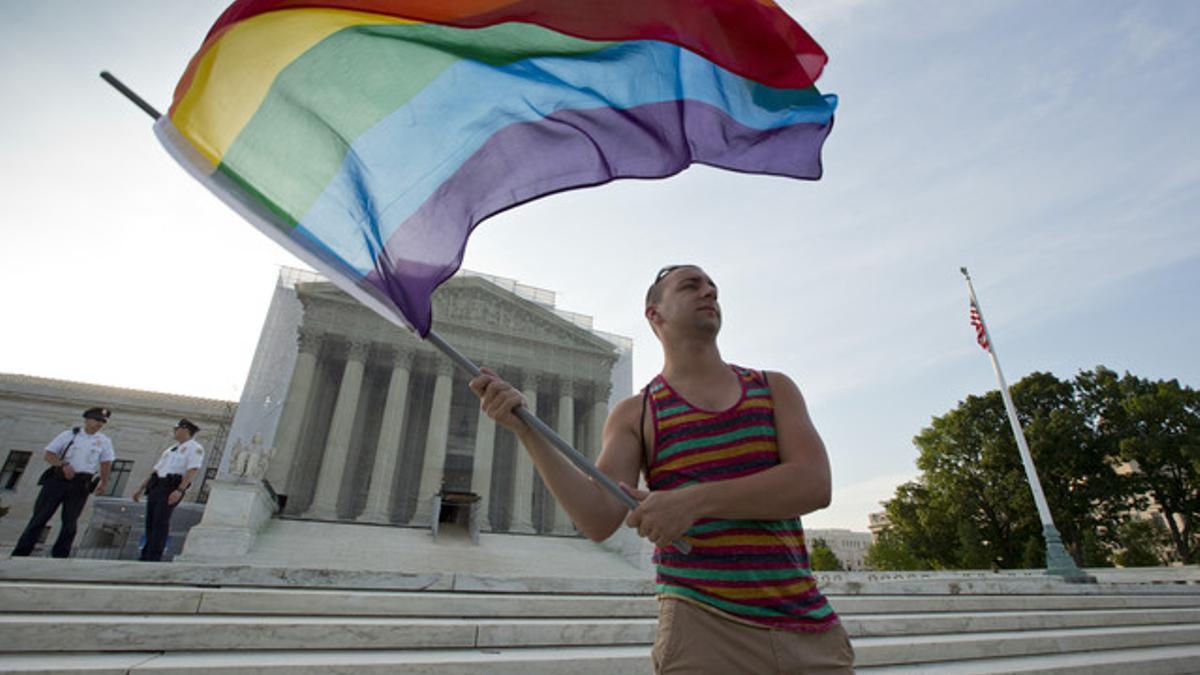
x=576, y=148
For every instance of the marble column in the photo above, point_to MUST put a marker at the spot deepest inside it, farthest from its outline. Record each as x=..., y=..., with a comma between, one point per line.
x=599, y=417
x=481, y=468
x=566, y=429
x=337, y=443
x=291, y=420
x=387, y=450
x=433, y=469
x=522, y=508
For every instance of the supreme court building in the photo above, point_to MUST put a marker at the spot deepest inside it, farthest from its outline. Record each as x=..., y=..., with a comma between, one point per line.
x=368, y=422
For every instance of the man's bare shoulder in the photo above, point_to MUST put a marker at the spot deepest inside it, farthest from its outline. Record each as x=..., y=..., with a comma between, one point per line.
x=783, y=387
x=627, y=412
x=774, y=377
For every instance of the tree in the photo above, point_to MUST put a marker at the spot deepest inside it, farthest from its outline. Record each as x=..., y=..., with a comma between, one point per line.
x=974, y=472
x=972, y=506
x=889, y=552
x=1095, y=553
x=1155, y=427
x=918, y=524
x=1139, y=539
x=821, y=557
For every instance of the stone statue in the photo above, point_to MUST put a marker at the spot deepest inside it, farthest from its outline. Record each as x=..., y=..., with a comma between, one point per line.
x=239, y=459
x=260, y=458
x=250, y=462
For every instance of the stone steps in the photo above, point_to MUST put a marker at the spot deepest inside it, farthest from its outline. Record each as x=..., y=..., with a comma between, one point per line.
x=1170, y=660
x=96, y=632
x=161, y=599
x=42, y=596
x=80, y=617
x=1084, y=651
x=633, y=660
x=885, y=625
x=920, y=649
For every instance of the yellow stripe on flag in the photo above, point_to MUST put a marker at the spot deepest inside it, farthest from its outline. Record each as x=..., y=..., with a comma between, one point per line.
x=234, y=75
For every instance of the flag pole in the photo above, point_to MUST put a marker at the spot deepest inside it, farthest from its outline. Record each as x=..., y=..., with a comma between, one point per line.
x=1058, y=561
x=459, y=359
x=577, y=458
x=129, y=94
x=548, y=433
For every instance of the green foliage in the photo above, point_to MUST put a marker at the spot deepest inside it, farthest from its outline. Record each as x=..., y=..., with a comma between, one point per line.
x=1095, y=553
x=889, y=552
x=1140, y=540
x=1156, y=427
x=1034, y=555
x=972, y=507
x=821, y=558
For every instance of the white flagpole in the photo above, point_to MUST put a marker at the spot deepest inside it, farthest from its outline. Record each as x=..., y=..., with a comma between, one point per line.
x=1058, y=561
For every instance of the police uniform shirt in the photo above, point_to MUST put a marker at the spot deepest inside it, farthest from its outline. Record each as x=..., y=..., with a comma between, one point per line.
x=86, y=453
x=177, y=459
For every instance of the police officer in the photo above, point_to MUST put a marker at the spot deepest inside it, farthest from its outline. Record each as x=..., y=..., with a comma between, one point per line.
x=75, y=456
x=166, y=486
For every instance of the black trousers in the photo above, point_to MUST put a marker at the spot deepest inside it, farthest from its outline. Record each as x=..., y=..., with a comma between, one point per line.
x=158, y=514
x=57, y=491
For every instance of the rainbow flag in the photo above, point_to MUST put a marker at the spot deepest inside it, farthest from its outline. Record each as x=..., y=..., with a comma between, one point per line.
x=369, y=137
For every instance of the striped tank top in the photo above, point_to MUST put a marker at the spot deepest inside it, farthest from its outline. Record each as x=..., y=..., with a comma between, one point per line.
x=750, y=570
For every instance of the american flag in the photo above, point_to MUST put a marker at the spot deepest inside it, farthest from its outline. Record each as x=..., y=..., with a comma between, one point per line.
x=977, y=321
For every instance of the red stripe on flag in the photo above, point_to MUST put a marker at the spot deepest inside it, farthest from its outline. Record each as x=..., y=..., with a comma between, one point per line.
x=980, y=332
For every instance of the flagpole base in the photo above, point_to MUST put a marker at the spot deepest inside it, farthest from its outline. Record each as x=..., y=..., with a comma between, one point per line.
x=1059, y=563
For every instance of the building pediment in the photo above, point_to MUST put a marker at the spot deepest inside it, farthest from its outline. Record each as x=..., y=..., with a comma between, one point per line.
x=463, y=305
x=469, y=302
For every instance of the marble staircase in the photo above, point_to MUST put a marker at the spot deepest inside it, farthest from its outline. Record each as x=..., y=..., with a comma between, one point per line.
x=92, y=616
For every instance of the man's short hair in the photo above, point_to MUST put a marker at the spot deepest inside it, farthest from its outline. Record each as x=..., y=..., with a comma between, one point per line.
x=654, y=293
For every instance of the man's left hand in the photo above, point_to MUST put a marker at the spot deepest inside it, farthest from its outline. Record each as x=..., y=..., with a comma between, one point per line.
x=174, y=497
x=100, y=487
x=663, y=516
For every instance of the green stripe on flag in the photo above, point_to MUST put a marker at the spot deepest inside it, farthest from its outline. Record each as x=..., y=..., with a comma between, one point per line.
x=320, y=103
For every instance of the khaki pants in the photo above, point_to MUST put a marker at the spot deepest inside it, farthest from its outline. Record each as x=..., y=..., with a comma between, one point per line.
x=693, y=640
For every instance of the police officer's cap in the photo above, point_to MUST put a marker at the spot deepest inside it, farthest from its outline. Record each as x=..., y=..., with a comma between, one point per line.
x=187, y=424
x=99, y=414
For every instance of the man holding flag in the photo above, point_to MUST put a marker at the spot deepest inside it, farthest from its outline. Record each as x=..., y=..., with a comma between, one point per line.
x=732, y=460
x=301, y=118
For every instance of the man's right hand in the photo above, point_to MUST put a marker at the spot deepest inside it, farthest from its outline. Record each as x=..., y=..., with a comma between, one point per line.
x=68, y=471
x=499, y=400
x=137, y=495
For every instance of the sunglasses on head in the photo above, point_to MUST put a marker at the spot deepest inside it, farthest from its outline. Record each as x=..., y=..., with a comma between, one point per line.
x=665, y=271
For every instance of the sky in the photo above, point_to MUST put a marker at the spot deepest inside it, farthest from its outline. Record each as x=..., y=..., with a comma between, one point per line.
x=1049, y=147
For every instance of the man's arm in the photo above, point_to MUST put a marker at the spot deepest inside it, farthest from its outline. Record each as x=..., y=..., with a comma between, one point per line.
x=594, y=510
x=106, y=459
x=137, y=494
x=177, y=494
x=105, y=470
x=799, y=484
x=54, y=448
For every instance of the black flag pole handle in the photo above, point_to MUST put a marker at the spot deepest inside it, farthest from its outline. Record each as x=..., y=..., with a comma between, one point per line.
x=129, y=94
x=549, y=434
x=466, y=364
